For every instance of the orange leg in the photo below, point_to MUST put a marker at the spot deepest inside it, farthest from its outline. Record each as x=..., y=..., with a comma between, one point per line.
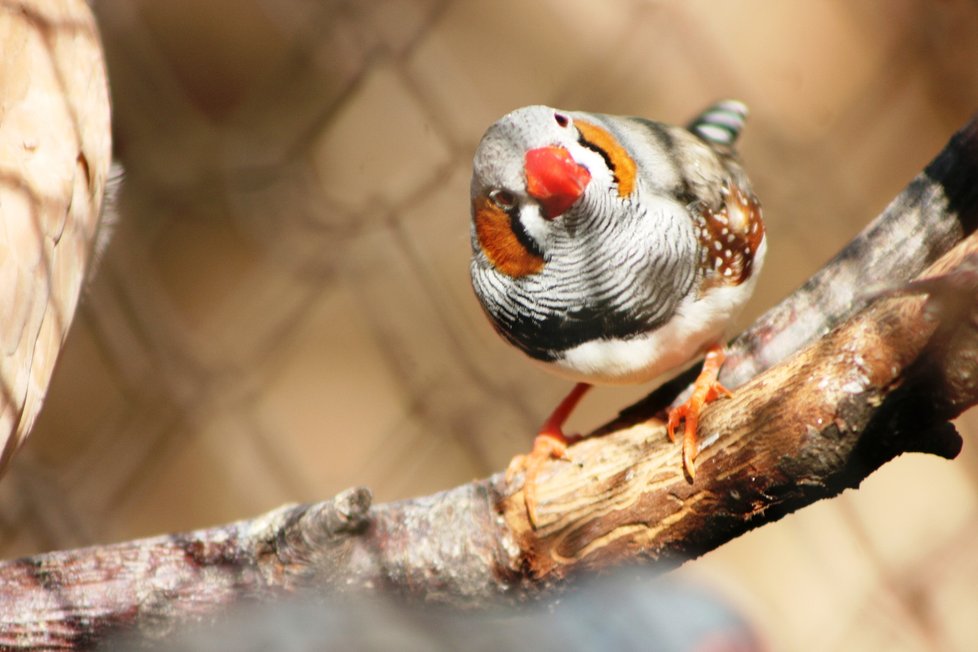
x=706, y=388
x=550, y=443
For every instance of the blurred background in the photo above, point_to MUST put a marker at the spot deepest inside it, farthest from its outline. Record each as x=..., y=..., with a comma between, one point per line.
x=285, y=308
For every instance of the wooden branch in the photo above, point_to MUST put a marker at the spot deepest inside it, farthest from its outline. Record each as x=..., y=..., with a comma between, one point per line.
x=822, y=415
x=933, y=213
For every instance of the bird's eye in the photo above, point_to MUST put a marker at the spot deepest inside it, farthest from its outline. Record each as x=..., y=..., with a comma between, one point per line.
x=504, y=199
x=561, y=119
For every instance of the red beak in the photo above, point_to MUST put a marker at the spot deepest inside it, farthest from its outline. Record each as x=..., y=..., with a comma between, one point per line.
x=554, y=179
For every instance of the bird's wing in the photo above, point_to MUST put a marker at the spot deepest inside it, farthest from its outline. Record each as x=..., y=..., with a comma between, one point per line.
x=55, y=153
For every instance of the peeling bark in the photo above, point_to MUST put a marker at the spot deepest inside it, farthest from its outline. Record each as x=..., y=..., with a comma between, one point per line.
x=827, y=393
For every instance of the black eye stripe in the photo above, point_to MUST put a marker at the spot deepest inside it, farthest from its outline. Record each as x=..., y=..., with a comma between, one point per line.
x=524, y=238
x=515, y=223
x=595, y=148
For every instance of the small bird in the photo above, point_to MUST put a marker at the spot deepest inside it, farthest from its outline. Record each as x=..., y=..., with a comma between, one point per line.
x=614, y=250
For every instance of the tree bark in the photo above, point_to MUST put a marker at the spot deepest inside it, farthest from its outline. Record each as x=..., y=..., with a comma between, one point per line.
x=856, y=367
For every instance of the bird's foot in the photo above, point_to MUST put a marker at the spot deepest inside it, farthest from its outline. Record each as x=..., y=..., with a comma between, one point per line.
x=550, y=443
x=706, y=389
x=546, y=447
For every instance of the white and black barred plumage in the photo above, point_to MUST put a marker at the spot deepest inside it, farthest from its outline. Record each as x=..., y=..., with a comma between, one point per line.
x=639, y=259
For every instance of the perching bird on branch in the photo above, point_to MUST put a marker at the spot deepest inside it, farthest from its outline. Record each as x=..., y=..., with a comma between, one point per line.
x=614, y=250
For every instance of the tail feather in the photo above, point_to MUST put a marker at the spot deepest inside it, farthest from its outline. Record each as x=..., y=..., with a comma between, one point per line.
x=721, y=122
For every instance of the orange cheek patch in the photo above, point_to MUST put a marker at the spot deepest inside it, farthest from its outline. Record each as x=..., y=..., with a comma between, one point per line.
x=624, y=166
x=498, y=242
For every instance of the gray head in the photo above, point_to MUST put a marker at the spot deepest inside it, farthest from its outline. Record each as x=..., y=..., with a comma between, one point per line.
x=567, y=237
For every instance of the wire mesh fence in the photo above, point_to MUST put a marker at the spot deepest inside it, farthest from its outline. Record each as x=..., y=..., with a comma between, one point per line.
x=285, y=308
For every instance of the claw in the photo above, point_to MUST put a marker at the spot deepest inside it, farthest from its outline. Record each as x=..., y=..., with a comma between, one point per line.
x=550, y=443
x=706, y=389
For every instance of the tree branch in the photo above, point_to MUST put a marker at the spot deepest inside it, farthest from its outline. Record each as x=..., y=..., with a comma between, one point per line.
x=827, y=396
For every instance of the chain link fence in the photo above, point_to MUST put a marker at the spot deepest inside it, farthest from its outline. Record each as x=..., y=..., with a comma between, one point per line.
x=285, y=310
